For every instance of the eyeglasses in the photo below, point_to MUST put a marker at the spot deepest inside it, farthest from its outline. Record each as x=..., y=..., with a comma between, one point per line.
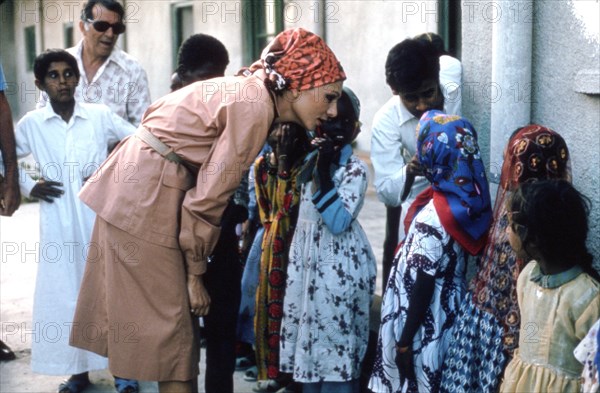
x=102, y=26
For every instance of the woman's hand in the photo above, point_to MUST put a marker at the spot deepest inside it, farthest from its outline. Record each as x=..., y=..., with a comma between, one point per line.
x=47, y=190
x=199, y=299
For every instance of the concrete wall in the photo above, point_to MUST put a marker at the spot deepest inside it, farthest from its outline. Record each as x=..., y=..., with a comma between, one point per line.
x=149, y=36
x=566, y=60
x=477, y=71
x=559, y=55
x=361, y=33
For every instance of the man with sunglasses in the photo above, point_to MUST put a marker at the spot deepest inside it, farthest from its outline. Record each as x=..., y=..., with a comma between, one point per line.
x=108, y=75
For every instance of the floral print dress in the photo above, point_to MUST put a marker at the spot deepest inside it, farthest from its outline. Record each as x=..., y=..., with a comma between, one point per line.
x=330, y=280
x=428, y=248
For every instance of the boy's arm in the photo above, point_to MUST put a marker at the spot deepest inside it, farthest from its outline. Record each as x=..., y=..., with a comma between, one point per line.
x=386, y=156
x=339, y=206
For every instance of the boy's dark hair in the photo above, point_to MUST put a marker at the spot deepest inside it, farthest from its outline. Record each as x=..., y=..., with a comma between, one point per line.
x=553, y=216
x=43, y=60
x=436, y=41
x=202, y=51
x=409, y=63
x=111, y=5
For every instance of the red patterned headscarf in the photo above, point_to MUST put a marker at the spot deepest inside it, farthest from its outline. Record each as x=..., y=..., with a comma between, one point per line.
x=534, y=152
x=298, y=59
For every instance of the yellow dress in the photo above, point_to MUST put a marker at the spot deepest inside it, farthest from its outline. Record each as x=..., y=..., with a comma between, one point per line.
x=557, y=311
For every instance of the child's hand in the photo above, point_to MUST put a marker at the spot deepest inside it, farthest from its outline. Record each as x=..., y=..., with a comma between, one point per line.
x=325, y=156
x=287, y=140
x=285, y=147
x=405, y=364
x=414, y=167
x=326, y=153
x=47, y=190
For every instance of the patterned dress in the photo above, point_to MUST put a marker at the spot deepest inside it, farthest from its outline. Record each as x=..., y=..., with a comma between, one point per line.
x=278, y=199
x=430, y=249
x=331, y=278
x=487, y=330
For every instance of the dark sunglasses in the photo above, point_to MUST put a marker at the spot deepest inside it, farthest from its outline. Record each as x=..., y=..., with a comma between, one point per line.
x=102, y=26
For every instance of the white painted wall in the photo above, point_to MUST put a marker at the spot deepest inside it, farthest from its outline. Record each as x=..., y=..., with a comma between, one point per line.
x=565, y=42
x=361, y=33
x=559, y=55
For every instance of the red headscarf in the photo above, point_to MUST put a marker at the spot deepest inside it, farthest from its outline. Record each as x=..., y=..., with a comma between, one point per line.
x=533, y=153
x=298, y=59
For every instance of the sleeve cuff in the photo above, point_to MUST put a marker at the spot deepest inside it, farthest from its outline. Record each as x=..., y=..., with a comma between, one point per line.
x=323, y=201
x=26, y=183
x=195, y=264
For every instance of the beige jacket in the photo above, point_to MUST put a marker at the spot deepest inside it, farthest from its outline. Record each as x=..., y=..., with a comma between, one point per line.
x=219, y=125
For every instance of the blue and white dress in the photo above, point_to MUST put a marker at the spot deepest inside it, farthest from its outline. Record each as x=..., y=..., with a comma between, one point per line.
x=430, y=249
x=331, y=278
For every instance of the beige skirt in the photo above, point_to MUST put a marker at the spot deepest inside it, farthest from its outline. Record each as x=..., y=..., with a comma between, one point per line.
x=133, y=307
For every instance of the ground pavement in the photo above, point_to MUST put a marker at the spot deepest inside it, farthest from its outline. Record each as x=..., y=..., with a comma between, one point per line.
x=18, y=237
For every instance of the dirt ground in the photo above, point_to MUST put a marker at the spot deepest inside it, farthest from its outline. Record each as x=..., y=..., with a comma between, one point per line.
x=19, y=236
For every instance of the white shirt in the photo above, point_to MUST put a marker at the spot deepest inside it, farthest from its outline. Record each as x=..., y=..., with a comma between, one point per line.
x=120, y=83
x=394, y=142
x=68, y=153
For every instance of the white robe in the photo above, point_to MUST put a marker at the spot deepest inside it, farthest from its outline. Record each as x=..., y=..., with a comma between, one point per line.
x=67, y=153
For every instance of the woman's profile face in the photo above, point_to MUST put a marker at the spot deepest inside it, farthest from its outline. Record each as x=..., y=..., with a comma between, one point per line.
x=311, y=107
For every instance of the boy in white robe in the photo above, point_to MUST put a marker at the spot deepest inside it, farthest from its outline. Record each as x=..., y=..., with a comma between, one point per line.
x=68, y=141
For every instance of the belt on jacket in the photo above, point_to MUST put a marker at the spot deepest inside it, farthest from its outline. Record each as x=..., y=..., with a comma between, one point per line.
x=164, y=150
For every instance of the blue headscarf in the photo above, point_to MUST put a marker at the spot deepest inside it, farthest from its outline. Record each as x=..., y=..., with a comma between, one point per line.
x=447, y=149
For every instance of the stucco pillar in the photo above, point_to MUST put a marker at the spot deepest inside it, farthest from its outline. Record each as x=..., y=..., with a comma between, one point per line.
x=510, y=90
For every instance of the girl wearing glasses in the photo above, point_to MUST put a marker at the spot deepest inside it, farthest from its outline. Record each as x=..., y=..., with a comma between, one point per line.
x=160, y=196
x=558, y=290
